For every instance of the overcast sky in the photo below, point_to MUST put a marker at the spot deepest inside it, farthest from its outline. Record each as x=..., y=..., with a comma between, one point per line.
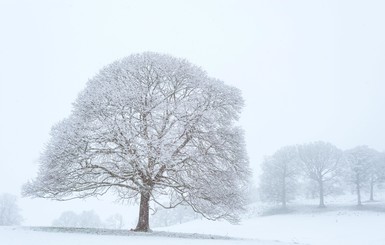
x=308, y=70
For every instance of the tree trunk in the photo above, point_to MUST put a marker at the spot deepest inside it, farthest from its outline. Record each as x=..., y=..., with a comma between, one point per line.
x=321, y=194
x=283, y=194
x=371, y=190
x=358, y=190
x=144, y=211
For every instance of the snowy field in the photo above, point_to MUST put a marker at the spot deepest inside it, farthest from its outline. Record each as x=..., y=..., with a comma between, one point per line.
x=30, y=236
x=329, y=228
x=338, y=224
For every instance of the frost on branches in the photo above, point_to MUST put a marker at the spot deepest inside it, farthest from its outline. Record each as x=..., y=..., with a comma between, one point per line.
x=146, y=127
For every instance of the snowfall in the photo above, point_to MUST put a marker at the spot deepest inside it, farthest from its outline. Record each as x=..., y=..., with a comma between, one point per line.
x=338, y=224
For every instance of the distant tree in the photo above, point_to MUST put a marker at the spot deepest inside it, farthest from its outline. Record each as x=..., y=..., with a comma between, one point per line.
x=376, y=172
x=178, y=215
x=86, y=219
x=115, y=222
x=320, y=162
x=253, y=194
x=334, y=187
x=89, y=219
x=9, y=210
x=67, y=219
x=280, y=175
x=147, y=126
x=310, y=188
x=359, y=161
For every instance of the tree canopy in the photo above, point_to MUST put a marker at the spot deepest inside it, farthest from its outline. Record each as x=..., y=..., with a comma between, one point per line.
x=149, y=126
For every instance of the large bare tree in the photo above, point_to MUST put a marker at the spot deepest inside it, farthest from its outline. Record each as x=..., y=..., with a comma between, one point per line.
x=150, y=126
x=320, y=161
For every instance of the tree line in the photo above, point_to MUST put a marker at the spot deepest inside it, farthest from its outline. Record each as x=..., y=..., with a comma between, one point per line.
x=322, y=168
x=88, y=219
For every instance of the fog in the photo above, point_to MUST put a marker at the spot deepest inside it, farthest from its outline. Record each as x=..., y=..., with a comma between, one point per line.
x=308, y=70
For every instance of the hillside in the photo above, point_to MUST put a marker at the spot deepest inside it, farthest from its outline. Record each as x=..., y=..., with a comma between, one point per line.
x=340, y=223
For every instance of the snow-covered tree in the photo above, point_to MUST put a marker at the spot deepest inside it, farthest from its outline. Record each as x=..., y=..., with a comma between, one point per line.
x=178, y=215
x=359, y=160
x=335, y=187
x=9, y=211
x=280, y=175
x=376, y=172
x=89, y=219
x=67, y=219
x=114, y=222
x=146, y=126
x=86, y=219
x=320, y=162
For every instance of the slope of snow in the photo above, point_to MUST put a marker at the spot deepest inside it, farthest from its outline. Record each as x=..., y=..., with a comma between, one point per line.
x=332, y=226
x=32, y=236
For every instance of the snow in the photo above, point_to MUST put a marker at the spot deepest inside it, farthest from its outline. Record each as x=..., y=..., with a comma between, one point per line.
x=334, y=225
x=353, y=228
x=29, y=236
x=338, y=224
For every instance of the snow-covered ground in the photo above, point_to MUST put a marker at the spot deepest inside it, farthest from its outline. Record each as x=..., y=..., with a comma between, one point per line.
x=338, y=224
x=329, y=228
x=341, y=223
x=30, y=236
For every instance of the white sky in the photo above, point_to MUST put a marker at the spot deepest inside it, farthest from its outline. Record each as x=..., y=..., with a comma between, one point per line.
x=309, y=70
